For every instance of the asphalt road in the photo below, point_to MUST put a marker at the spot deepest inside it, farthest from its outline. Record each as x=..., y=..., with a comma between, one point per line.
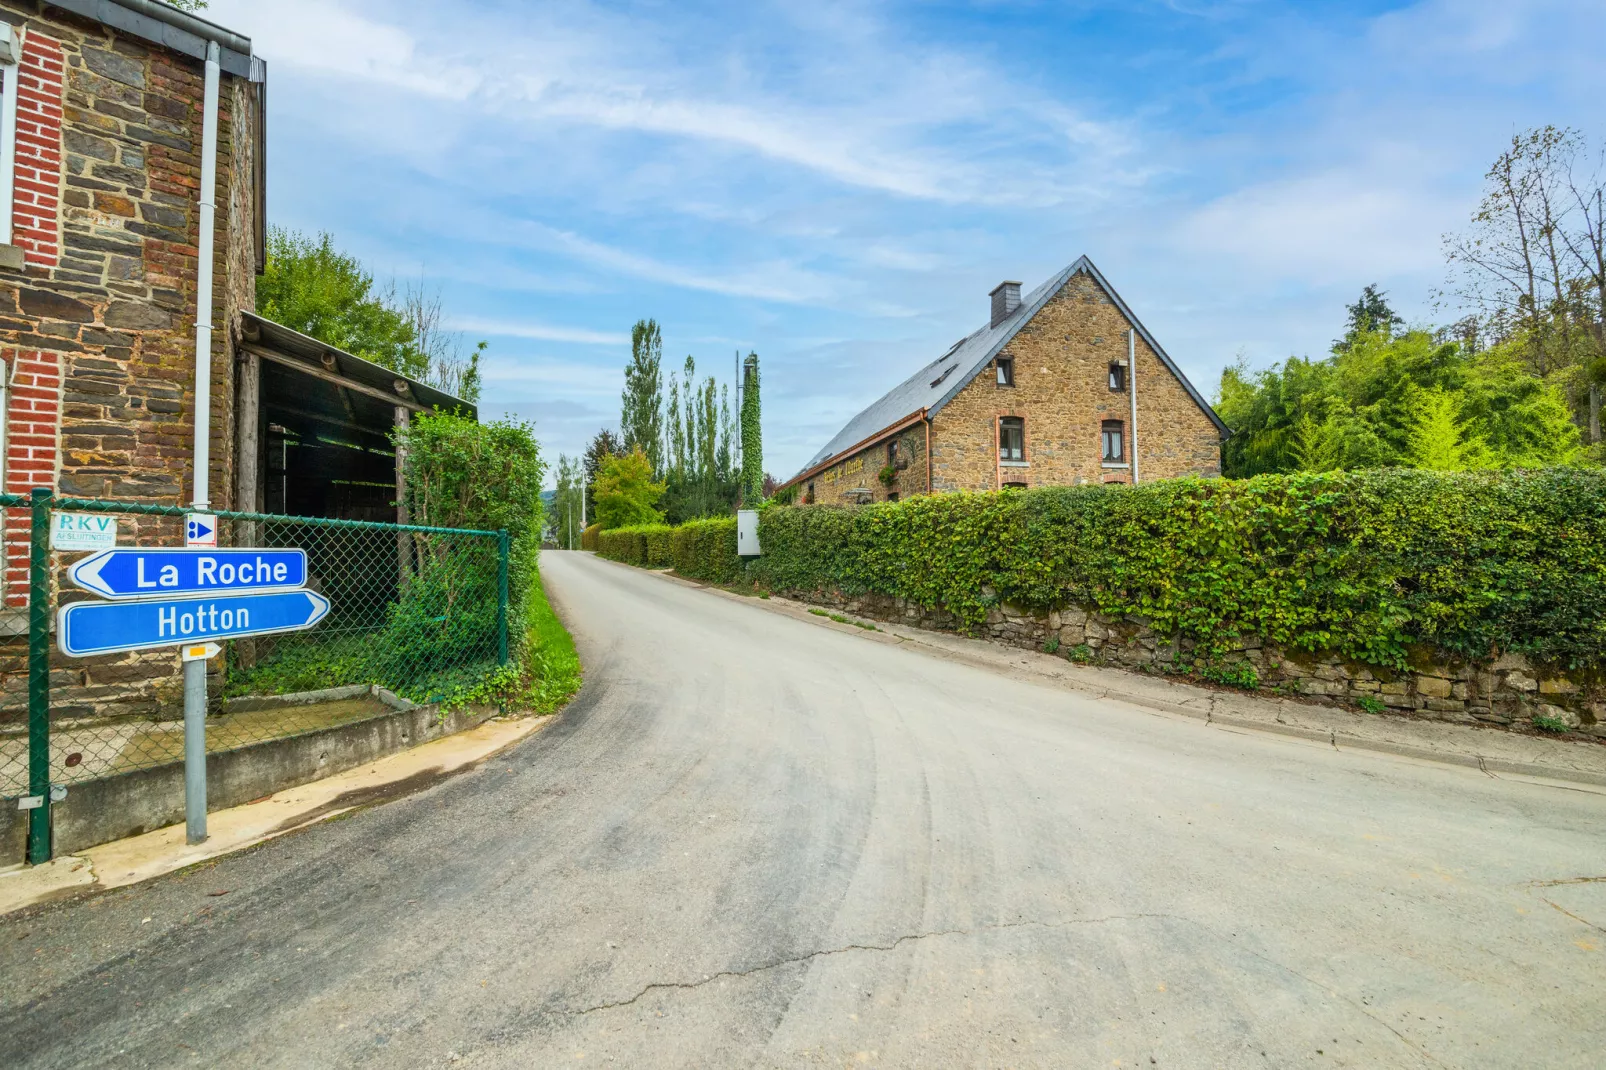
x=755, y=841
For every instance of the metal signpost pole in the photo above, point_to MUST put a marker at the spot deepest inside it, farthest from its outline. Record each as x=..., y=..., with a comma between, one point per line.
x=161, y=597
x=194, y=750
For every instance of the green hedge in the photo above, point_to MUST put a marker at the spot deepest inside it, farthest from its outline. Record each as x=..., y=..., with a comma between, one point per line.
x=700, y=549
x=1363, y=563
x=706, y=550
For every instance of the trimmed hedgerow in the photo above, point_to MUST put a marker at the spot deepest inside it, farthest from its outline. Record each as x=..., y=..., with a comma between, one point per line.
x=706, y=550
x=1363, y=563
x=699, y=549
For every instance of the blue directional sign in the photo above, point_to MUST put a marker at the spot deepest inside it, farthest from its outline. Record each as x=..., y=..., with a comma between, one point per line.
x=85, y=628
x=138, y=572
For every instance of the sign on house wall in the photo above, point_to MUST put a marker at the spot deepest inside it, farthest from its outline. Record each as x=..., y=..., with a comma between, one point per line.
x=83, y=531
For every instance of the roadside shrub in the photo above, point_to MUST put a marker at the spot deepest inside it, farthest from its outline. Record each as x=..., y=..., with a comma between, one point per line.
x=660, y=552
x=464, y=474
x=588, y=537
x=631, y=544
x=1362, y=563
x=706, y=550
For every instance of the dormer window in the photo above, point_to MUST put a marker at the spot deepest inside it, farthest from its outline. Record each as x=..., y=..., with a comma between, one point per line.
x=1006, y=371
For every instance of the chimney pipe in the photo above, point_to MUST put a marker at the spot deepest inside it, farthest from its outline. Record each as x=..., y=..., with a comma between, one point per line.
x=1006, y=299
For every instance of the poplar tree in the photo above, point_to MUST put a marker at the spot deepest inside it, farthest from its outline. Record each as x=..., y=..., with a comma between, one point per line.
x=641, y=404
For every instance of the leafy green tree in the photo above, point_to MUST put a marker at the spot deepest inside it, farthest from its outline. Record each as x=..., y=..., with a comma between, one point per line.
x=464, y=474
x=565, y=518
x=1438, y=438
x=641, y=406
x=626, y=493
x=312, y=287
x=603, y=446
x=1361, y=408
x=752, y=435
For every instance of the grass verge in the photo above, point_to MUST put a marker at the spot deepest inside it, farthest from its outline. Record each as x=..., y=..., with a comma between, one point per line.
x=554, y=667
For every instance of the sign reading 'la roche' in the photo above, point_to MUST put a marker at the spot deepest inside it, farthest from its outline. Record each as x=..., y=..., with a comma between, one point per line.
x=136, y=572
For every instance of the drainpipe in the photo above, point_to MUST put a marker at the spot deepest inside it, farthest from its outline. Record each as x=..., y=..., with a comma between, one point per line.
x=929, y=489
x=203, y=284
x=1132, y=389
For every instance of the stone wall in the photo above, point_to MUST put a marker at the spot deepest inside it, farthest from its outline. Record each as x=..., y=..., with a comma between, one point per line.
x=1061, y=390
x=1508, y=691
x=860, y=471
x=98, y=322
x=114, y=313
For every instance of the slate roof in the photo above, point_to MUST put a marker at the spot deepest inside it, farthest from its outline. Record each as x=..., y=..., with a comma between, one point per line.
x=934, y=385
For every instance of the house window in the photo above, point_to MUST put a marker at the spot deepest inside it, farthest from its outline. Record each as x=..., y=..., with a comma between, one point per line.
x=1014, y=486
x=892, y=495
x=1114, y=435
x=808, y=494
x=10, y=57
x=1118, y=378
x=892, y=452
x=1006, y=371
x=1012, y=439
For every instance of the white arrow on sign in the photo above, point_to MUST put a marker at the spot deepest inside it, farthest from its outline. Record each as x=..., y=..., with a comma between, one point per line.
x=201, y=651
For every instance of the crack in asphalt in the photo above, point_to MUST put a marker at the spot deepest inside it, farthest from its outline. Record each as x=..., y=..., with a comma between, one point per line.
x=847, y=948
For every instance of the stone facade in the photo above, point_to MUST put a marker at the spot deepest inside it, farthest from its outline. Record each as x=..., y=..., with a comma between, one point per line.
x=1508, y=691
x=1061, y=392
x=98, y=324
x=98, y=305
x=856, y=479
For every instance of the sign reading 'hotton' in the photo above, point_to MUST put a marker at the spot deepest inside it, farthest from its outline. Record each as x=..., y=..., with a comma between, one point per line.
x=85, y=628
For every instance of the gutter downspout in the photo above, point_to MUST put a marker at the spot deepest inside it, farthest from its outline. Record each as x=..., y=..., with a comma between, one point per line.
x=929, y=489
x=203, y=284
x=1132, y=389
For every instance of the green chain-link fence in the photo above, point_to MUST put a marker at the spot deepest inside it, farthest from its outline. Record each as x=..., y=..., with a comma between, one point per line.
x=418, y=611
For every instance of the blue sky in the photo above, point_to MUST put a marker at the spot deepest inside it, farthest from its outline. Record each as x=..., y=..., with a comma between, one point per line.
x=839, y=185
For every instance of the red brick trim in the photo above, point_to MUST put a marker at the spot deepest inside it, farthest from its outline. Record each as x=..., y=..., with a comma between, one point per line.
x=33, y=422
x=36, y=187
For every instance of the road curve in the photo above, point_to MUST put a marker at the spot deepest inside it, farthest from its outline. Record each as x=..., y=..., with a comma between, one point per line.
x=755, y=841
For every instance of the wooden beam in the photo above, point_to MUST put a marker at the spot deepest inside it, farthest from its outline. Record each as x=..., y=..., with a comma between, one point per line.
x=332, y=377
x=404, y=541
x=247, y=434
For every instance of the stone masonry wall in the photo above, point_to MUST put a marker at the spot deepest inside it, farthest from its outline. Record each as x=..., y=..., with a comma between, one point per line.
x=100, y=320
x=1509, y=691
x=1062, y=357
x=861, y=470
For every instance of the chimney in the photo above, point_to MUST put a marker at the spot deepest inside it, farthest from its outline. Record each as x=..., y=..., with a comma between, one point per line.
x=1006, y=299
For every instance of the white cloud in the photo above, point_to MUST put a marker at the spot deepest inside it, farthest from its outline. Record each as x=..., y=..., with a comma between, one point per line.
x=879, y=114
x=537, y=331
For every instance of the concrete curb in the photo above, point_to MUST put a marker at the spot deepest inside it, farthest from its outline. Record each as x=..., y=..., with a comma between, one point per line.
x=1203, y=705
x=152, y=854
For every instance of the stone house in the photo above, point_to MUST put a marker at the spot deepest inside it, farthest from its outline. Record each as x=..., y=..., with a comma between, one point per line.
x=1061, y=387
x=102, y=121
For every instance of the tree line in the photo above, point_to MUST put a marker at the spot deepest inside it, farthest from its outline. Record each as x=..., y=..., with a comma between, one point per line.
x=1514, y=381
x=684, y=449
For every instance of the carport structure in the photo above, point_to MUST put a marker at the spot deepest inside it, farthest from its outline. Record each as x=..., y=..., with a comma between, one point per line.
x=313, y=425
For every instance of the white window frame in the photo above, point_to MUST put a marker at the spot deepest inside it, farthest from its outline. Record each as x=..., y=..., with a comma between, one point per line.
x=11, y=42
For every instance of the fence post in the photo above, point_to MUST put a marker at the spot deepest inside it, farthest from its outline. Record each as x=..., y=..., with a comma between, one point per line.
x=502, y=549
x=39, y=840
